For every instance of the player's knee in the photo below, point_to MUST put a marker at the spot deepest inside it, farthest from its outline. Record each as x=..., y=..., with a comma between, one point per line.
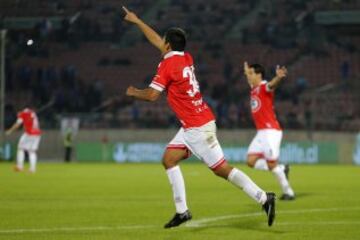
x=168, y=162
x=250, y=161
x=172, y=158
x=165, y=163
x=271, y=164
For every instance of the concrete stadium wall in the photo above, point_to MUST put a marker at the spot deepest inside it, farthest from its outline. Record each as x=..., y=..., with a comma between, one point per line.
x=51, y=146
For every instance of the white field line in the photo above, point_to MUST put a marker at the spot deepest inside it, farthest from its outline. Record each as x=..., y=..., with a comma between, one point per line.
x=74, y=229
x=205, y=221
x=317, y=223
x=325, y=223
x=195, y=223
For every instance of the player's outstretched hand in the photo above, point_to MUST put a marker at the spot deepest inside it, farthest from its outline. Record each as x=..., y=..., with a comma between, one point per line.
x=281, y=72
x=130, y=16
x=130, y=91
x=246, y=68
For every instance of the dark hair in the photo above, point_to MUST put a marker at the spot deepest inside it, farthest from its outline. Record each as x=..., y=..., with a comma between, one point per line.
x=258, y=69
x=176, y=37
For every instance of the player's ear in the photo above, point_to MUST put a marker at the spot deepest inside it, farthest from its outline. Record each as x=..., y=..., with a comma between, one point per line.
x=167, y=47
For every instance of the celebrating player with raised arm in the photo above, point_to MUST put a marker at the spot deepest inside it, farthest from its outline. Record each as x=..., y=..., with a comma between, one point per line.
x=264, y=150
x=176, y=76
x=29, y=140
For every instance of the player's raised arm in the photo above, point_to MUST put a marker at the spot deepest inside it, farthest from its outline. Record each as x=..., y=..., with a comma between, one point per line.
x=247, y=71
x=147, y=94
x=153, y=37
x=281, y=73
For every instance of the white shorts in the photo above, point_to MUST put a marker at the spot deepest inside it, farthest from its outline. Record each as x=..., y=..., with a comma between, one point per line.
x=266, y=144
x=202, y=142
x=29, y=142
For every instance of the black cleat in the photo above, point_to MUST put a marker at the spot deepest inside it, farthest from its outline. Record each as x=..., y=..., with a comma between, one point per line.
x=287, y=197
x=269, y=207
x=178, y=219
x=287, y=171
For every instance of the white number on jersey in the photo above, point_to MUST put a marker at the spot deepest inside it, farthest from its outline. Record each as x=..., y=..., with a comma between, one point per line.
x=35, y=121
x=188, y=72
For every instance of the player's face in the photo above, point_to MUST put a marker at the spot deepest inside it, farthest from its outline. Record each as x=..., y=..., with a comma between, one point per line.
x=253, y=77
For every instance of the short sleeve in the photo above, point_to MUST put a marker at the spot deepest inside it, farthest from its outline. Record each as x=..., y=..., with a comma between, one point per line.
x=267, y=88
x=20, y=118
x=161, y=79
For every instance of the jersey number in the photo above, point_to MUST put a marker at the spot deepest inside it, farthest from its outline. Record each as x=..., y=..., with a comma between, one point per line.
x=188, y=72
x=35, y=121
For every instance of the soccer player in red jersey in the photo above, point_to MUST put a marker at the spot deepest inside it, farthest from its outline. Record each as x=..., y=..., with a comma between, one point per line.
x=176, y=76
x=29, y=140
x=264, y=150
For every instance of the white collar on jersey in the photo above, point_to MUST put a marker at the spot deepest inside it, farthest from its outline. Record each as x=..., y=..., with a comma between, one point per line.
x=261, y=83
x=173, y=53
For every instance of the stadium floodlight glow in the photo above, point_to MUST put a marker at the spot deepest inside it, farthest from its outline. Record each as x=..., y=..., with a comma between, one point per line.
x=30, y=42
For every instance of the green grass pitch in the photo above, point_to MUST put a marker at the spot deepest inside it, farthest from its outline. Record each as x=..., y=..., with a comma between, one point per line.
x=133, y=201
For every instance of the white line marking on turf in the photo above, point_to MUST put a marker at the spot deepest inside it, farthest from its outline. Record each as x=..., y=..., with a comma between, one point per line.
x=295, y=224
x=326, y=223
x=72, y=229
x=203, y=222
x=193, y=224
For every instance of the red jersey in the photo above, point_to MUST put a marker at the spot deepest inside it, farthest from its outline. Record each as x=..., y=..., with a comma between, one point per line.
x=262, y=107
x=30, y=121
x=176, y=75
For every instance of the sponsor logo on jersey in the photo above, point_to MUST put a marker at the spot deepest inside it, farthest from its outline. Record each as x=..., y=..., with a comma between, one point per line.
x=255, y=104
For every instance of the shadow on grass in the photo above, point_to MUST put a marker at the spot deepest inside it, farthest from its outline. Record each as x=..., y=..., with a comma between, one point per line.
x=256, y=225
x=302, y=195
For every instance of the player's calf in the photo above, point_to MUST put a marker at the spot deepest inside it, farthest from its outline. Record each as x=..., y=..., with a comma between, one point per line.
x=223, y=170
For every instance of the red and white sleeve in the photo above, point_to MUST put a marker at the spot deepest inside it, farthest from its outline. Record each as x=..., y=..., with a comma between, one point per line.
x=20, y=118
x=161, y=79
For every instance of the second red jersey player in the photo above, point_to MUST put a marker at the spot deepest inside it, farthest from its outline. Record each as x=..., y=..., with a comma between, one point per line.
x=264, y=149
